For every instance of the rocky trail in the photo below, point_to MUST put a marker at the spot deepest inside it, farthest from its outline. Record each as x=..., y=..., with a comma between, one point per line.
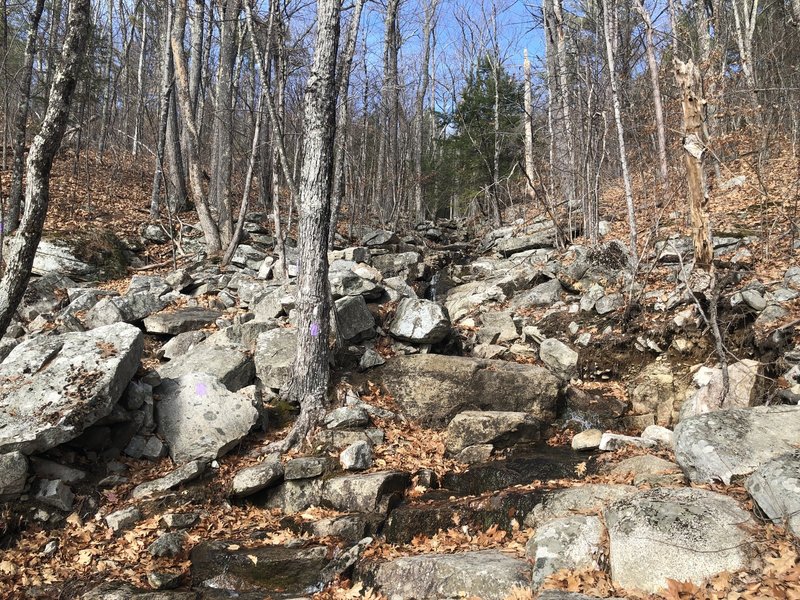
x=508, y=420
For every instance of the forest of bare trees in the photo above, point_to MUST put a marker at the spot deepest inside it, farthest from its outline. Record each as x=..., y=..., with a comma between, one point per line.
x=436, y=115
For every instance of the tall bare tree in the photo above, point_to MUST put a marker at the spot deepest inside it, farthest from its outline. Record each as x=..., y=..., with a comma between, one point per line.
x=40, y=161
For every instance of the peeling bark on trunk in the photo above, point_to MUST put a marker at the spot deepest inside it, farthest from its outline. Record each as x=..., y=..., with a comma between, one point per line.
x=687, y=80
x=40, y=161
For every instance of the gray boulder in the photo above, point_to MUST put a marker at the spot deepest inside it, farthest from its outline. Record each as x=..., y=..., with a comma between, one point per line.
x=559, y=358
x=589, y=498
x=55, y=493
x=354, y=319
x=232, y=364
x=52, y=388
x=420, y=322
x=496, y=328
x=183, y=474
x=356, y=457
x=346, y=283
x=435, y=387
x=253, y=479
x=181, y=320
x=502, y=429
x=743, y=377
x=373, y=492
x=775, y=487
x=682, y=534
x=200, y=418
x=488, y=574
x=543, y=294
x=123, y=519
x=296, y=495
x=13, y=475
x=464, y=299
x=572, y=543
x=724, y=444
x=275, y=350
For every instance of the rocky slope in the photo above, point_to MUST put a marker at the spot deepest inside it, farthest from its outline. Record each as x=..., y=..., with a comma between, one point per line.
x=507, y=419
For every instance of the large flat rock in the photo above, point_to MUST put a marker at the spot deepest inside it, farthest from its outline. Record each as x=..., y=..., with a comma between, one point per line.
x=488, y=574
x=434, y=387
x=54, y=387
x=682, y=534
x=775, y=487
x=181, y=320
x=724, y=444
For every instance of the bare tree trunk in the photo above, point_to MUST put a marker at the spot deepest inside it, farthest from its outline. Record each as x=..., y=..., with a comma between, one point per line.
x=310, y=370
x=21, y=120
x=40, y=161
x=140, y=84
x=422, y=90
x=386, y=201
x=608, y=17
x=658, y=108
x=207, y=224
x=107, y=108
x=687, y=78
x=529, y=166
x=342, y=117
x=197, y=55
x=166, y=91
x=177, y=173
x=745, y=13
x=565, y=114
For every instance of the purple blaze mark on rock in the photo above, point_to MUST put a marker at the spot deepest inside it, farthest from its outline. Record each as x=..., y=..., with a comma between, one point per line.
x=315, y=329
x=200, y=389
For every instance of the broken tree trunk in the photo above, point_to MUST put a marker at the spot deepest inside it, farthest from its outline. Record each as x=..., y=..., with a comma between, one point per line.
x=688, y=81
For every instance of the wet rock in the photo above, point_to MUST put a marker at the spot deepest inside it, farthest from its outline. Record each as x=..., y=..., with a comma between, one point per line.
x=613, y=441
x=594, y=411
x=161, y=580
x=183, y=474
x=477, y=453
x=181, y=320
x=123, y=519
x=168, y=544
x=559, y=358
x=354, y=319
x=775, y=487
x=588, y=498
x=501, y=429
x=682, y=534
x=272, y=571
x=356, y=457
x=230, y=363
x=721, y=445
x=571, y=543
x=54, y=387
x=13, y=475
x=488, y=574
x=434, y=388
x=420, y=322
x=587, y=440
x=373, y=492
x=55, y=493
x=253, y=479
x=120, y=590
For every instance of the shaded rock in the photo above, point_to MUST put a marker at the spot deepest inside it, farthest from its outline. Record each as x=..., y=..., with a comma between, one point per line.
x=587, y=440
x=354, y=319
x=183, y=474
x=682, y=534
x=613, y=441
x=55, y=493
x=296, y=495
x=488, y=574
x=588, y=498
x=346, y=417
x=46, y=295
x=775, y=487
x=721, y=445
x=123, y=519
x=373, y=492
x=231, y=364
x=200, y=418
x=162, y=580
x=304, y=467
x=179, y=520
x=356, y=457
x=420, y=322
x=273, y=571
x=181, y=320
x=13, y=475
x=434, y=388
x=52, y=388
x=463, y=299
x=544, y=294
x=571, y=543
x=253, y=479
x=593, y=411
x=338, y=439
x=168, y=544
x=497, y=327
x=181, y=344
x=477, y=453
x=559, y=358
x=499, y=428
x=346, y=283
x=120, y=590
x=275, y=350
x=609, y=303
